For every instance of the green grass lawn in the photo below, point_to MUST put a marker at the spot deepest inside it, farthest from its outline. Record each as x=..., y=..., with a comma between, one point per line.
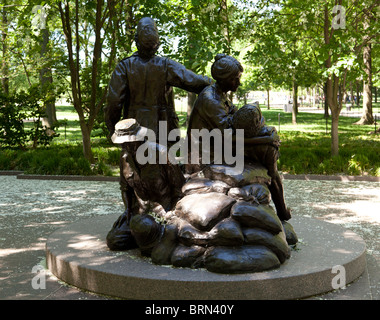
x=305, y=147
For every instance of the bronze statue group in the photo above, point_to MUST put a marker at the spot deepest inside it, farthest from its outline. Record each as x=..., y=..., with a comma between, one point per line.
x=140, y=96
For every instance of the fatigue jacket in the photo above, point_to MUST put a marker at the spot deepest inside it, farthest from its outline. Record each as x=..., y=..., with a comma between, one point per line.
x=142, y=89
x=212, y=110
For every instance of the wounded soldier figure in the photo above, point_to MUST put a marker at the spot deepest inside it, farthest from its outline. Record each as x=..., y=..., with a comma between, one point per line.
x=250, y=119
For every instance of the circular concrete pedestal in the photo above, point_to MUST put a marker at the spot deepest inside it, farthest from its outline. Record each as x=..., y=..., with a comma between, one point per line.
x=78, y=255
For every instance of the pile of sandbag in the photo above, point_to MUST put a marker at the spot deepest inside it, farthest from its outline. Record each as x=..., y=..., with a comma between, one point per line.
x=225, y=223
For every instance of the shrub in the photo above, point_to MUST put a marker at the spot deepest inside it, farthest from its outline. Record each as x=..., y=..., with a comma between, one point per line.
x=358, y=164
x=14, y=111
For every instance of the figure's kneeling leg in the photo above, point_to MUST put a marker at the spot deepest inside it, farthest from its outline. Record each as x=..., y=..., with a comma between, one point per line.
x=120, y=236
x=276, y=188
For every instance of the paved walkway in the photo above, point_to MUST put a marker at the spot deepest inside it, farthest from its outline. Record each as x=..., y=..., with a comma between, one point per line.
x=352, y=112
x=30, y=210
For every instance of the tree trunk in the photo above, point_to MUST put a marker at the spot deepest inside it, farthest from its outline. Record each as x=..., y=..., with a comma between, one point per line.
x=332, y=87
x=74, y=76
x=46, y=80
x=86, y=139
x=96, y=63
x=5, y=66
x=326, y=106
x=225, y=17
x=334, y=133
x=268, y=103
x=295, y=99
x=367, y=116
x=74, y=65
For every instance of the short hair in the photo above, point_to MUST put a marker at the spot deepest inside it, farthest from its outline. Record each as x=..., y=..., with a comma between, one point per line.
x=225, y=66
x=147, y=33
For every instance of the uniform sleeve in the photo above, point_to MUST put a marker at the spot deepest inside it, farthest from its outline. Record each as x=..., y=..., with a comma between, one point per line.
x=117, y=97
x=214, y=113
x=179, y=76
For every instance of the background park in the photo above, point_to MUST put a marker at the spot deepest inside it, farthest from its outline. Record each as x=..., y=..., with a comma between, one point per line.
x=312, y=65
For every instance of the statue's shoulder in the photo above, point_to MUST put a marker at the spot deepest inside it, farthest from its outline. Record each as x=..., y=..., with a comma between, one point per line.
x=162, y=61
x=170, y=63
x=132, y=57
x=125, y=64
x=211, y=94
x=208, y=98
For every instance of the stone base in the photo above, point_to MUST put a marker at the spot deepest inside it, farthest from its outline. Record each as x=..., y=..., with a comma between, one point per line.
x=78, y=255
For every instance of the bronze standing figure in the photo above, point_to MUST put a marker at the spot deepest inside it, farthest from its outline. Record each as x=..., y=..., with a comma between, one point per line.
x=141, y=88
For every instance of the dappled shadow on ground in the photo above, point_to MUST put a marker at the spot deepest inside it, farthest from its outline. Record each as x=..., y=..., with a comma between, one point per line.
x=31, y=210
x=353, y=205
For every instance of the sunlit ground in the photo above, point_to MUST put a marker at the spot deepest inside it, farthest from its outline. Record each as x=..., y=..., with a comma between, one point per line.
x=30, y=210
x=353, y=205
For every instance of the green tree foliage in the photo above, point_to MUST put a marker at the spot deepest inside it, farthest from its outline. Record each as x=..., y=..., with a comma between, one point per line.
x=317, y=41
x=73, y=47
x=15, y=110
x=32, y=54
